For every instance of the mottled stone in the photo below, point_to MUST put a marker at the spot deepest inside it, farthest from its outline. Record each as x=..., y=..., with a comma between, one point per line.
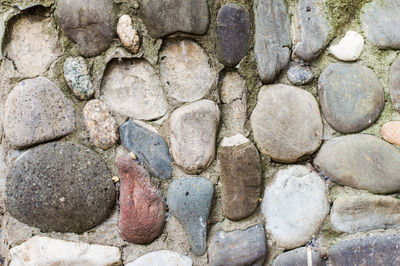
x=60, y=186
x=169, y=16
x=89, y=23
x=189, y=200
x=349, y=47
x=77, y=77
x=298, y=257
x=37, y=111
x=351, y=97
x=312, y=29
x=46, y=251
x=286, y=123
x=394, y=82
x=370, y=250
x=289, y=223
x=142, y=208
x=240, y=176
x=272, y=38
x=162, y=258
x=351, y=214
x=193, y=130
x=185, y=72
x=390, y=132
x=300, y=74
x=132, y=88
x=127, y=34
x=148, y=146
x=362, y=162
x=380, y=22
x=239, y=247
x=103, y=130
x=233, y=34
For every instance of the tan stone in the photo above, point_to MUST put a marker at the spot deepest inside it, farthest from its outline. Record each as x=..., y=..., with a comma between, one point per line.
x=127, y=34
x=390, y=132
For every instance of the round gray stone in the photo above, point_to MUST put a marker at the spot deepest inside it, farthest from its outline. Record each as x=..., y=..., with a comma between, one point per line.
x=351, y=97
x=61, y=187
x=298, y=257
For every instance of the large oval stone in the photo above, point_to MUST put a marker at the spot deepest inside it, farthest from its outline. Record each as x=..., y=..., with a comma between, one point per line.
x=162, y=258
x=286, y=123
x=351, y=97
x=361, y=161
x=62, y=186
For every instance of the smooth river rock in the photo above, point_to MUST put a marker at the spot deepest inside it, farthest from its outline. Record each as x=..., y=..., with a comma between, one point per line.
x=286, y=123
x=272, y=38
x=37, y=111
x=169, y=16
x=351, y=97
x=77, y=77
x=142, y=207
x=193, y=129
x=300, y=74
x=351, y=214
x=239, y=247
x=390, y=132
x=61, y=186
x=289, y=223
x=162, y=258
x=370, y=250
x=298, y=257
x=394, y=82
x=240, y=176
x=362, y=162
x=89, y=23
x=189, y=201
x=349, y=47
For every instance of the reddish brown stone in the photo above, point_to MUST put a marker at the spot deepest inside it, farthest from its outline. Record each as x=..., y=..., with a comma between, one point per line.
x=142, y=207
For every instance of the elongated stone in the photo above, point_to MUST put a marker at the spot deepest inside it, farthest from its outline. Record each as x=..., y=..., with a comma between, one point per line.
x=162, y=258
x=127, y=34
x=299, y=257
x=77, y=77
x=394, y=82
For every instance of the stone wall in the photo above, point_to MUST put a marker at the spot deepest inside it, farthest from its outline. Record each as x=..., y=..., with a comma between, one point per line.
x=204, y=132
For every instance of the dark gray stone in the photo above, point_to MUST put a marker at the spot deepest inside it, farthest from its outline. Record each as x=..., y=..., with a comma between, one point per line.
x=189, y=200
x=371, y=250
x=62, y=186
x=394, y=80
x=272, y=38
x=298, y=257
x=233, y=33
x=300, y=74
x=239, y=247
x=351, y=97
x=380, y=22
x=149, y=147
x=90, y=23
x=169, y=16
x=362, y=162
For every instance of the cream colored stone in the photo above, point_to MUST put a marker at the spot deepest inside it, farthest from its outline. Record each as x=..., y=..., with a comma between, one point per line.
x=349, y=47
x=390, y=132
x=127, y=34
x=162, y=258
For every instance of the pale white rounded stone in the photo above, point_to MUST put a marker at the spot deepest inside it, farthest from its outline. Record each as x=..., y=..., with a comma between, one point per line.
x=162, y=258
x=234, y=140
x=127, y=34
x=349, y=47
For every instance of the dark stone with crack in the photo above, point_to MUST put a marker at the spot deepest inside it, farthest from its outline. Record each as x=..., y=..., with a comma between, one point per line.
x=298, y=257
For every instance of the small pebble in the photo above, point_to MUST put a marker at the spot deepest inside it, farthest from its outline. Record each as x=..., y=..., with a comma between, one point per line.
x=300, y=74
x=77, y=77
x=390, y=132
x=349, y=47
x=127, y=34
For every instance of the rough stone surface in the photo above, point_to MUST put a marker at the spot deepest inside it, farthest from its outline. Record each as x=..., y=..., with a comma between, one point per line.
x=289, y=223
x=298, y=257
x=60, y=186
x=349, y=47
x=300, y=74
x=193, y=130
x=162, y=258
x=313, y=28
x=148, y=146
x=380, y=22
x=371, y=250
x=351, y=97
x=165, y=17
x=37, y=111
x=390, y=132
x=46, y=251
x=361, y=213
x=185, y=71
x=102, y=127
x=362, y=162
x=90, y=24
x=133, y=89
x=142, y=208
x=394, y=82
x=238, y=248
x=189, y=201
x=127, y=34
x=272, y=38
x=77, y=77
x=240, y=176
x=286, y=123
x=233, y=34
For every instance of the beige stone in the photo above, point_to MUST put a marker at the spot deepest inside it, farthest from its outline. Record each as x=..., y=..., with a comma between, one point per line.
x=127, y=34
x=390, y=132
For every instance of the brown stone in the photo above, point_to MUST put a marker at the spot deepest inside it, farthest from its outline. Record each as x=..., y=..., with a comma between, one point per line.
x=240, y=176
x=142, y=208
x=391, y=132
